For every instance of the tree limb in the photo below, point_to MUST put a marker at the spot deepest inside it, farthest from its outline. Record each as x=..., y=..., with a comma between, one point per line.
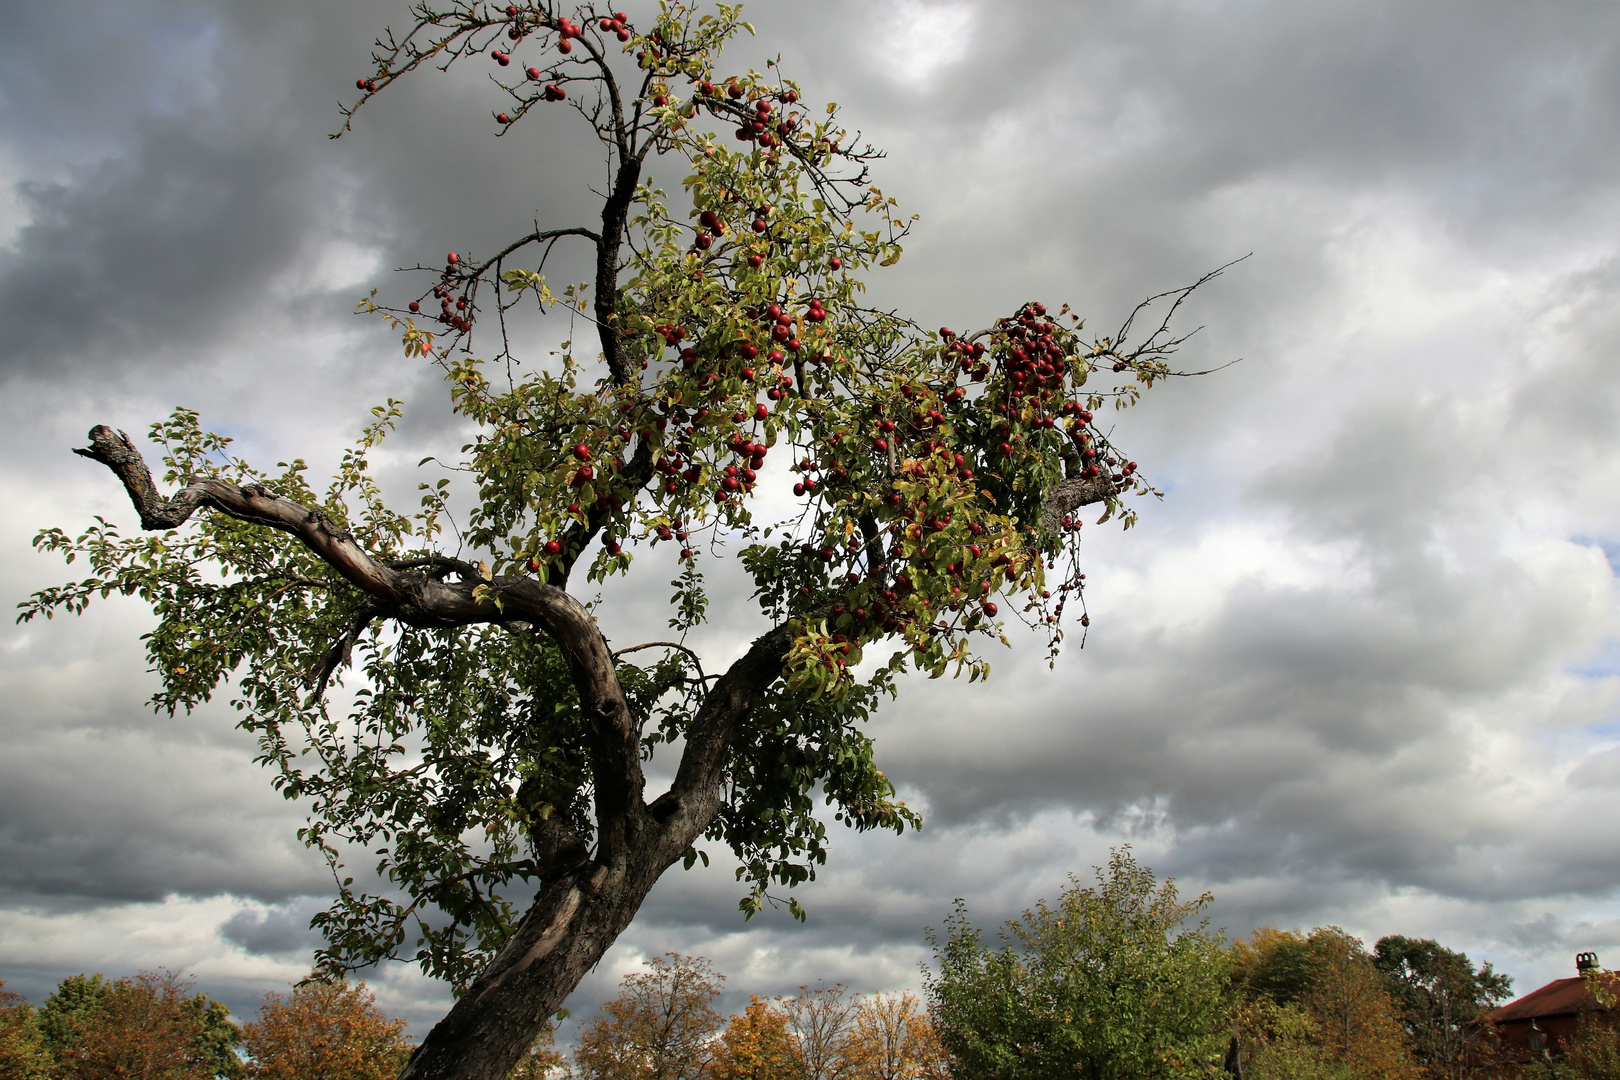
x=420, y=599
x=337, y=654
x=693, y=800
x=697, y=662
x=1071, y=494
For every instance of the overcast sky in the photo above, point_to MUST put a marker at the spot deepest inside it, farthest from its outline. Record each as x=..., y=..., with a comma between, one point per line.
x=1358, y=668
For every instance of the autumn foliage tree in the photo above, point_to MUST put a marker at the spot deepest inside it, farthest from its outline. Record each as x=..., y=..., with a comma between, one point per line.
x=894, y=1039
x=150, y=1026
x=324, y=1030
x=24, y=1054
x=757, y=1044
x=1316, y=1005
x=659, y=1027
x=822, y=1019
x=492, y=756
x=542, y=1060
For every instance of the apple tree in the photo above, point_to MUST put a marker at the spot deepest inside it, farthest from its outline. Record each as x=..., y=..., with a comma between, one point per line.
x=491, y=746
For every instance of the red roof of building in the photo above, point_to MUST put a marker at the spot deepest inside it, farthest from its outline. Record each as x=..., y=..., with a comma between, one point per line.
x=1561, y=997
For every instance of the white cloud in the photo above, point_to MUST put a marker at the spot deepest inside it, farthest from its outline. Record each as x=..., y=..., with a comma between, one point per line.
x=1358, y=668
x=918, y=38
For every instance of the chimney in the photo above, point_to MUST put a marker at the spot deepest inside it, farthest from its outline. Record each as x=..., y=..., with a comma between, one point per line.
x=1586, y=961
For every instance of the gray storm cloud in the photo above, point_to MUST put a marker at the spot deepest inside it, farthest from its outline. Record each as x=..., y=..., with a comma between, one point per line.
x=1357, y=668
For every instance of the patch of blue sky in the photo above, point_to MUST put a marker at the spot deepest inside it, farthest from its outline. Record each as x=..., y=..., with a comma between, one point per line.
x=1602, y=664
x=1610, y=549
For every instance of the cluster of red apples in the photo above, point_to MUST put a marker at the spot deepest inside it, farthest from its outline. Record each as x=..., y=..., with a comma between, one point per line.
x=454, y=310
x=1035, y=366
x=929, y=447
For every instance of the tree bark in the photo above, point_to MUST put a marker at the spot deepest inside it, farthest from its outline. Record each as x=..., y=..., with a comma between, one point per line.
x=1069, y=495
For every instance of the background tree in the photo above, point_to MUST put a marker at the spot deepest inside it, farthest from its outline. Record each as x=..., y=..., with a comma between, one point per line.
x=1439, y=994
x=543, y=1059
x=1283, y=1041
x=658, y=1028
x=24, y=1054
x=150, y=1026
x=496, y=743
x=1109, y=982
x=757, y=1045
x=1314, y=1005
x=822, y=1020
x=894, y=1039
x=324, y=1030
x=1351, y=1003
x=1275, y=964
x=71, y=1009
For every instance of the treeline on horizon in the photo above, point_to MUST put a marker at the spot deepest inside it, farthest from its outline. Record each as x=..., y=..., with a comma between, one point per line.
x=1112, y=981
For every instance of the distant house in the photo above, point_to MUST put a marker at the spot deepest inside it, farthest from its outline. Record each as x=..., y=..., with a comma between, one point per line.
x=1540, y=1025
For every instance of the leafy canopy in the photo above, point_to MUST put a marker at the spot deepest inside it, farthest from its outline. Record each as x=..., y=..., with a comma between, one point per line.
x=148, y=1026
x=1319, y=1005
x=324, y=1028
x=1107, y=983
x=660, y=1027
x=1440, y=995
x=24, y=1053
